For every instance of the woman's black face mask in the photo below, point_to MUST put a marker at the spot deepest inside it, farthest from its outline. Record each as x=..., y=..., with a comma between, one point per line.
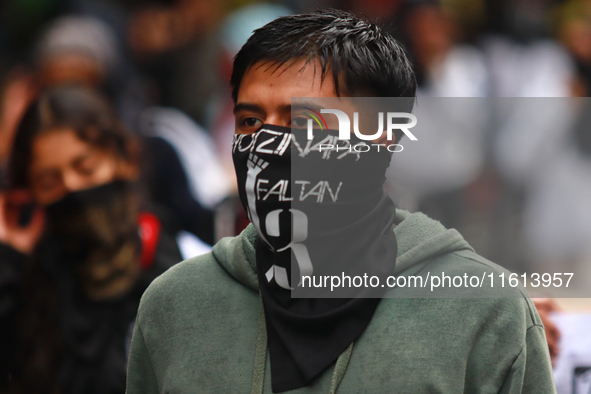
x=95, y=231
x=94, y=217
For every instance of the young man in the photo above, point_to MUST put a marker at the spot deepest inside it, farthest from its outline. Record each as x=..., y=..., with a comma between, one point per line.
x=208, y=324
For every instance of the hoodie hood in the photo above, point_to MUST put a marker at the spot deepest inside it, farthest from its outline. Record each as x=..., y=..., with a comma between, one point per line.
x=419, y=240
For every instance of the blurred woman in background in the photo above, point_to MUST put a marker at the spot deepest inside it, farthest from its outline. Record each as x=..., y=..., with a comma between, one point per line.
x=77, y=248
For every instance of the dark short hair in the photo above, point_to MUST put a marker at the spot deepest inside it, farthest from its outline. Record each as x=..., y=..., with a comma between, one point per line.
x=364, y=60
x=85, y=111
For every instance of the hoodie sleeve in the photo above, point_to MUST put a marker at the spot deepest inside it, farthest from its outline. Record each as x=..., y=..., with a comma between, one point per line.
x=12, y=264
x=531, y=371
x=141, y=378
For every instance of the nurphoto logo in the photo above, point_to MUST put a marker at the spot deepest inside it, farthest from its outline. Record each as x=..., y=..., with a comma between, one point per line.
x=393, y=122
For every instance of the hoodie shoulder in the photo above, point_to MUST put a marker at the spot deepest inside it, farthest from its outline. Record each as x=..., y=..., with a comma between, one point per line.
x=427, y=249
x=192, y=319
x=421, y=238
x=226, y=272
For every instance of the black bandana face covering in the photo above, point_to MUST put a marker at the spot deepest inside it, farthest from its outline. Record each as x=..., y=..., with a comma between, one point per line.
x=318, y=211
x=95, y=231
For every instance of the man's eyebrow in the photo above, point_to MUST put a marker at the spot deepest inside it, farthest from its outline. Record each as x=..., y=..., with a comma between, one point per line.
x=247, y=107
x=300, y=106
x=284, y=108
x=306, y=105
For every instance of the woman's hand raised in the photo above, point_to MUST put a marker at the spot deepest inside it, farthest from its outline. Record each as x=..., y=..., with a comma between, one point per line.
x=17, y=231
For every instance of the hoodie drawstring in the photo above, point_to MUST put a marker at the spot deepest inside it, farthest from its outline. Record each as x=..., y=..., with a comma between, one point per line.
x=260, y=358
x=340, y=368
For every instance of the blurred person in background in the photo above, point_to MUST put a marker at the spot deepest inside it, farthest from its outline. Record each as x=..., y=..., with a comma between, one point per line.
x=543, y=148
x=72, y=49
x=84, y=50
x=438, y=175
x=573, y=28
x=524, y=58
x=78, y=49
x=175, y=42
x=446, y=65
x=79, y=244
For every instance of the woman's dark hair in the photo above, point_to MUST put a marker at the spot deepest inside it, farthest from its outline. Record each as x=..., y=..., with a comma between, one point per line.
x=80, y=109
x=360, y=55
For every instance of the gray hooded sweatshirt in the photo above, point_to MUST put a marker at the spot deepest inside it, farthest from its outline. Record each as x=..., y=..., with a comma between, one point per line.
x=200, y=328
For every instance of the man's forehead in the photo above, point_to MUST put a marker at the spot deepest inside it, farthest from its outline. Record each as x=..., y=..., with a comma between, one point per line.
x=299, y=78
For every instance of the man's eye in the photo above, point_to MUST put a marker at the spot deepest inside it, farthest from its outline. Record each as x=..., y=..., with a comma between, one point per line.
x=299, y=122
x=250, y=122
